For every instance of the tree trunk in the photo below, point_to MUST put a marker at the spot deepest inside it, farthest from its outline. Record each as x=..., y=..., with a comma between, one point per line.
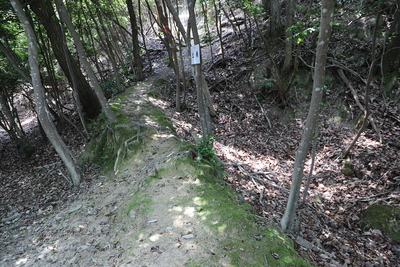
x=82, y=56
x=14, y=60
x=163, y=23
x=143, y=37
x=289, y=40
x=391, y=56
x=311, y=123
x=10, y=122
x=107, y=45
x=135, y=42
x=40, y=98
x=275, y=19
x=45, y=12
x=177, y=20
x=204, y=112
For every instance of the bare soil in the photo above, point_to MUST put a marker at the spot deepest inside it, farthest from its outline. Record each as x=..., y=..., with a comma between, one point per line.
x=146, y=213
x=110, y=223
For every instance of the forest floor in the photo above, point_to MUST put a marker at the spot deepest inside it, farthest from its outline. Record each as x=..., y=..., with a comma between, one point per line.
x=153, y=210
x=38, y=208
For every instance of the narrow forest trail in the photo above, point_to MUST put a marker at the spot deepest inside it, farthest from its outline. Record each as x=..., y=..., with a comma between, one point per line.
x=156, y=210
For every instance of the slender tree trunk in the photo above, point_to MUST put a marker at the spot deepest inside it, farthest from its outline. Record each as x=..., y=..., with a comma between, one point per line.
x=143, y=36
x=275, y=19
x=289, y=40
x=106, y=42
x=177, y=20
x=41, y=107
x=204, y=112
x=163, y=23
x=10, y=122
x=391, y=56
x=45, y=12
x=218, y=25
x=15, y=60
x=135, y=41
x=81, y=51
x=311, y=123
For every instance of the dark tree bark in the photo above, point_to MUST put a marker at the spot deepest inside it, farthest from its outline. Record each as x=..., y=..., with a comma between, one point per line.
x=135, y=41
x=45, y=12
x=289, y=40
x=391, y=56
x=275, y=26
x=10, y=122
x=86, y=65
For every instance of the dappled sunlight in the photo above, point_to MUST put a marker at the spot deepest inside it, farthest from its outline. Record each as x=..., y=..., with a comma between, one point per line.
x=47, y=250
x=22, y=261
x=43, y=253
x=221, y=227
x=232, y=154
x=260, y=161
x=152, y=213
x=368, y=143
x=160, y=103
x=184, y=125
x=199, y=201
x=190, y=212
x=155, y=237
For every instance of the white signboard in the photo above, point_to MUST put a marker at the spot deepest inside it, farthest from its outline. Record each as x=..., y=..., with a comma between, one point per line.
x=195, y=54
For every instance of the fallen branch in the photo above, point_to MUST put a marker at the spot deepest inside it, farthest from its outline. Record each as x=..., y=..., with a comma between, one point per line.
x=48, y=165
x=263, y=112
x=340, y=66
x=353, y=91
x=366, y=98
x=262, y=181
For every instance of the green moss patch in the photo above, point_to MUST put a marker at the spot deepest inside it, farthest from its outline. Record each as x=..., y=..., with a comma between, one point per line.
x=383, y=217
x=137, y=202
x=112, y=143
x=242, y=239
x=162, y=120
x=245, y=240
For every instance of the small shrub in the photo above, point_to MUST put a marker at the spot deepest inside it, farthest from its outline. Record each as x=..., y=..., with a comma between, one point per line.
x=205, y=151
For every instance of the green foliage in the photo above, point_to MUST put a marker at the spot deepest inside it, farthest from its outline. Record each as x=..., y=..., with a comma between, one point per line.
x=13, y=39
x=251, y=7
x=110, y=141
x=208, y=37
x=301, y=29
x=109, y=87
x=205, y=151
x=9, y=78
x=9, y=23
x=307, y=26
x=383, y=217
x=152, y=94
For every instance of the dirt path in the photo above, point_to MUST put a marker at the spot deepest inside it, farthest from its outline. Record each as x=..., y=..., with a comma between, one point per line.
x=156, y=211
